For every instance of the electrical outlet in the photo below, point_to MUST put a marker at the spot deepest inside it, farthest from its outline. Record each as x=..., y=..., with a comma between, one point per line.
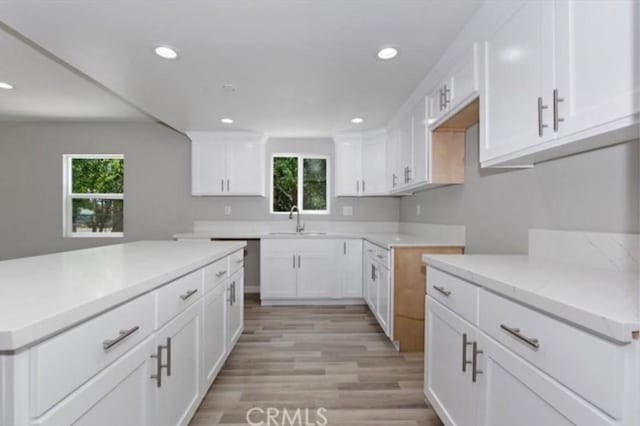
x=419, y=209
x=347, y=211
x=227, y=210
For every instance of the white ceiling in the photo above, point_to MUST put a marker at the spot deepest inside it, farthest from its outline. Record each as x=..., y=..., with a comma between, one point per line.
x=46, y=90
x=301, y=67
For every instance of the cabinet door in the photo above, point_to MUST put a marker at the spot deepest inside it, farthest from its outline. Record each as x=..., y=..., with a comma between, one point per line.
x=435, y=103
x=245, y=168
x=598, y=62
x=420, y=143
x=511, y=392
x=213, y=333
x=374, y=151
x=348, y=155
x=393, y=173
x=318, y=276
x=351, y=268
x=178, y=396
x=278, y=266
x=383, y=308
x=448, y=383
x=208, y=167
x=372, y=286
x=464, y=79
x=122, y=394
x=406, y=149
x=519, y=68
x=235, y=310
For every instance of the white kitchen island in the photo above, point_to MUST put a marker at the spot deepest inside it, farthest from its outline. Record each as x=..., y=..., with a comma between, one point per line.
x=129, y=334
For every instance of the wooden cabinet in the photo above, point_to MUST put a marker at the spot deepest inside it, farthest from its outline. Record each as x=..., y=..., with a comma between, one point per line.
x=360, y=163
x=179, y=390
x=350, y=266
x=560, y=78
x=227, y=164
x=448, y=378
x=299, y=269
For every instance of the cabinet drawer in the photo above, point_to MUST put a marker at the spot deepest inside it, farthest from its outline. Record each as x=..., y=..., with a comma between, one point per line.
x=176, y=296
x=383, y=257
x=456, y=294
x=215, y=274
x=236, y=262
x=592, y=367
x=370, y=249
x=63, y=363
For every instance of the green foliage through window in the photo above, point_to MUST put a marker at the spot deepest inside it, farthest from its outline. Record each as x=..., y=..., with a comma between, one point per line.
x=295, y=177
x=97, y=176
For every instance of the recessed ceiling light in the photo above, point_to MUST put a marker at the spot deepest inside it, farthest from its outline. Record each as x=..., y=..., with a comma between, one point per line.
x=357, y=120
x=226, y=120
x=166, y=52
x=387, y=53
x=5, y=86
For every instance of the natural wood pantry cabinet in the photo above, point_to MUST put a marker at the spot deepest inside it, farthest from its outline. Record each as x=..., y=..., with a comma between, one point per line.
x=156, y=371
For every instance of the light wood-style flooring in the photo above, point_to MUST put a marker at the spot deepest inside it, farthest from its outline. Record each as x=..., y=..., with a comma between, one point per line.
x=336, y=358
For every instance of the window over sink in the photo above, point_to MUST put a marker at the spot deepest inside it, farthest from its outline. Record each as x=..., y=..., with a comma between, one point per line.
x=300, y=180
x=93, y=195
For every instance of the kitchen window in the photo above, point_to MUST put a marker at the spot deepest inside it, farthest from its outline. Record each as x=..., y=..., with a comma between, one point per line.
x=300, y=180
x=93, y=199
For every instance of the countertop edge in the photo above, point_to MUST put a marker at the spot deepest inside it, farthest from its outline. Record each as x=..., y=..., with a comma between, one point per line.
x=610, y=328
x=13, y=341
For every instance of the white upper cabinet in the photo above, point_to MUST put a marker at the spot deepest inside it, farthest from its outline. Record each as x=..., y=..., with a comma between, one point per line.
x=561, y=77
x=227, y=164
x=360, y=160
x=598, y=63
x=517, y=81
x=460, y=86
x=420, y=172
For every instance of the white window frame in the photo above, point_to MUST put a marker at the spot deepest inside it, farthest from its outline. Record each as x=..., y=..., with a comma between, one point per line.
x=301, y=158
x=68, y=196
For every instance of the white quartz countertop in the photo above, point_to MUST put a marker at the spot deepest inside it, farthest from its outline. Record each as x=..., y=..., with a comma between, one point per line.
x=386, y=240
x=42, y=295
x=602, y=300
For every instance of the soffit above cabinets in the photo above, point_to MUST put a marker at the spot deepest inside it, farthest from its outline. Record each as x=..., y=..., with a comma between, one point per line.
x=300, y=68
x=45, y=89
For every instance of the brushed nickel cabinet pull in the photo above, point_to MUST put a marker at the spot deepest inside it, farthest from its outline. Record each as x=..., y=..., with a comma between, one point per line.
x=515, y=332
x=465, y=343
x=168, y=364
x=442, y=290
x=364, y=182
x=108, y=344
x=294, y=261
x=233, y=292
x=188, y=294
x=541, y=125
x=228, y=186
x=357, y=186
x=556, y=113
x=344, y=245
x=221, y=273
x=474, y=362
x=158, y=357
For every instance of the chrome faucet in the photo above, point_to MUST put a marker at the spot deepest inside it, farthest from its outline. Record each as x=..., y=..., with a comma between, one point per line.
x=299, y=228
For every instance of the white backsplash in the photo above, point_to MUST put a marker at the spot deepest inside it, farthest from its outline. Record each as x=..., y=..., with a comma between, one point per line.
x=454, y=234
x=247, y=226
x=620, y=252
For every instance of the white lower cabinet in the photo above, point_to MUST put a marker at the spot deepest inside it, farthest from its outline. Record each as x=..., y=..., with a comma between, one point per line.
x=145, y=375
x=377, y=280
x=350, y=265
x=500, y=367
x=120, y=395
x=383, y=307
x=178, y=368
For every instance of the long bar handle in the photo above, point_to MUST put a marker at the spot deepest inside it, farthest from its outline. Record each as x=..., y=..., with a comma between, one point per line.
x=108, y=344
x=188, y=294
x=442, y=290
x=556, y=113
x=515, y=332
x=221, y=273
x=465, y=343
x=228, y=186
x=168, y=364
x=541, y=125
x=474, y=362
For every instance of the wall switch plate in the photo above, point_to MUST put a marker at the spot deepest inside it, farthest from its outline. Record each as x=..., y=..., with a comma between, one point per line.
x=419, y=209
x=227, y=210
x=347, y=211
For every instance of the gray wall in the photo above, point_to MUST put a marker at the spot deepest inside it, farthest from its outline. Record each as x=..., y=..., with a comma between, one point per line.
x=596, y=191
x=157, y=184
